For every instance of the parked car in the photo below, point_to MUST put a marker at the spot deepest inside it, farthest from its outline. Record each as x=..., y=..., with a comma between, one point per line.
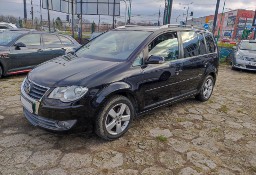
x=22, y=50
x=119, y=75
x=4, y=26
x=245, y=55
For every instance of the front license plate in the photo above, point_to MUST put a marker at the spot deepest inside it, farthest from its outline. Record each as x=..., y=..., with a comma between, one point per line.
x=28, y=105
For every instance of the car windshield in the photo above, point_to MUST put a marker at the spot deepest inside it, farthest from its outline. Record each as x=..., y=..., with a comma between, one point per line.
x=7, y=37
x=246, y=45
x=113, y=45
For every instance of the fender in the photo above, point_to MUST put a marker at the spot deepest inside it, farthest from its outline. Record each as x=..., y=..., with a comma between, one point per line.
x=112, y=89
x=3, y=64
x=209, y=70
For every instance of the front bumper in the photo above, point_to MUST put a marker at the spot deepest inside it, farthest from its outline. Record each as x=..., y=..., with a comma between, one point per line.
x=245, y=65
x=48, y=123
x=55, y=115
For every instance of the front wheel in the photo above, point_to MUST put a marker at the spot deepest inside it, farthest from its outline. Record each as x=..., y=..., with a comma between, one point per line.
x=114, y=118
x=1, y=71
x=206, y=89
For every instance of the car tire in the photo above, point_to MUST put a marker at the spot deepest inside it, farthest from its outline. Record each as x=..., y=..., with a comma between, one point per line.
x=1, y=71
x=114, y=118
x=206, y=89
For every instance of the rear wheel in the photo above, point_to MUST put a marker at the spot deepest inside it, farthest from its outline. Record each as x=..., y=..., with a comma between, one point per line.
x=206, y=89
x=114, y=118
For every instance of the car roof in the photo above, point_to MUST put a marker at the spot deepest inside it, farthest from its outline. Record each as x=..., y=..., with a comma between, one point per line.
x=169, y=27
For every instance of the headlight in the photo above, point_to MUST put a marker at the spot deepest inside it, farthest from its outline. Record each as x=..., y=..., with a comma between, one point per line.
x=68, y=94
x=239, y=56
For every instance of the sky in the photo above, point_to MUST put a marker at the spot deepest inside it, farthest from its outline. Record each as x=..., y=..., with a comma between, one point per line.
x=142, y=10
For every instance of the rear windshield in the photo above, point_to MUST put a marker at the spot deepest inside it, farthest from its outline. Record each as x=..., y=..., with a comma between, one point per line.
x=246, y=45
x=113, y=45
x=7, y=37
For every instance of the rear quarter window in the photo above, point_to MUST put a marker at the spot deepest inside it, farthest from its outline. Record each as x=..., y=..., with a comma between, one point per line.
x=210, y=43
x=190, y=44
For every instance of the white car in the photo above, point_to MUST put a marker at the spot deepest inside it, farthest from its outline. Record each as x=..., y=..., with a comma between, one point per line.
x=245, y=55
x=4, y=26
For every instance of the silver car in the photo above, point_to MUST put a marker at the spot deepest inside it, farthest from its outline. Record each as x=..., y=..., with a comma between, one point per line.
x=245, y=55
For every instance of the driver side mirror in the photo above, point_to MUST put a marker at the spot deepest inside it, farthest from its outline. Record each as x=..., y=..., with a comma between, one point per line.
x=155, y=60
x=19, y=45
x=234, y=47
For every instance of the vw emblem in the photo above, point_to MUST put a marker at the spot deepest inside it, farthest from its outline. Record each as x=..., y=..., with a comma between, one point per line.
x=28, y=88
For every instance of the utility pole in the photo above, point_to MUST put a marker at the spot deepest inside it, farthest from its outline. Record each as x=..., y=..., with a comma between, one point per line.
x=81, y=20
x=254, y=24
x=130, y=12
x=41, y=16
x=170, y=2
x=215, y=16
x=114, y=12
x=32, y=12
x=25, y=10
x=49, y=20
x=72, y=23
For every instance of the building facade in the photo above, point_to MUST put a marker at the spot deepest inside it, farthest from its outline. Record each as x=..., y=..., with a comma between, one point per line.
x=230, y=24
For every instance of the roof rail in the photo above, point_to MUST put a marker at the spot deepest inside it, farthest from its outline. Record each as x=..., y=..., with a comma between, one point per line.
x=179, y=25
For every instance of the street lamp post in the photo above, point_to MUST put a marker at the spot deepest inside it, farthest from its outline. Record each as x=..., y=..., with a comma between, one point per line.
x=187, y=12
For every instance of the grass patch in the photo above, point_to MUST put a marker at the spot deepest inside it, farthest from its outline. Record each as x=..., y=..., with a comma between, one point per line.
x=215, y=130
x=239, y=111
x=180, y=119
x=210, y=101
x=161, y=138
x=253, y=169
x=223, y=109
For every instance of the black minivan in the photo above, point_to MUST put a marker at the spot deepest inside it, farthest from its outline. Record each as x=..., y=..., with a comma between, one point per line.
x=120, y=75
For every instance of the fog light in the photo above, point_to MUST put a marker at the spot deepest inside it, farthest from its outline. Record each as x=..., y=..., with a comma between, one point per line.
x=66, y=124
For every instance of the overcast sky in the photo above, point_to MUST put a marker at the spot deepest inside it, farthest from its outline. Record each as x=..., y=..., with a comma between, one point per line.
x=142, y=10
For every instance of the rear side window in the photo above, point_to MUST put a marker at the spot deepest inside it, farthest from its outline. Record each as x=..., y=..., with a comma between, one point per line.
x=30, y=40
x=165, y=45
x=210, y=43
x=202, y=45
x=51, y=39
x=65, y=40
x=190, y=44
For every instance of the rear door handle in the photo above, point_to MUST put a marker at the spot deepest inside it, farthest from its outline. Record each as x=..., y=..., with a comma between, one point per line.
x=178, y=70
x=39, y=50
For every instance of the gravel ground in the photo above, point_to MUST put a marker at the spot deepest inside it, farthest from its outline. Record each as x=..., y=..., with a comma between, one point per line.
x=215, y=137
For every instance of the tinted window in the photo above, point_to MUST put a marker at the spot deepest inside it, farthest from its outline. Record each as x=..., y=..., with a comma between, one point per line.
x=30, y=40
x=210, y=43
x=3, y=27
x=190, y=44
x=116, y=45
x=202, y=46
x=166, y=46
x=65, y=40
x=51, y=40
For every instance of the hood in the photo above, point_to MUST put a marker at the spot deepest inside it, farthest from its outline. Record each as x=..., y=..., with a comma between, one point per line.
x=68, y=70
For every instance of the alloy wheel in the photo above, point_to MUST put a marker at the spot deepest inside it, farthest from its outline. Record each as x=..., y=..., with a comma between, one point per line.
x=207, y=89
x=117, y=119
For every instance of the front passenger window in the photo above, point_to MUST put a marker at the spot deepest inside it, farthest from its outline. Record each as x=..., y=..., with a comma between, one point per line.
x=30, y=40
x=165, y=45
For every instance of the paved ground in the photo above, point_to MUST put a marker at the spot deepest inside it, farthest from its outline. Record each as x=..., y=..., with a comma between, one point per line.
x=215, y=137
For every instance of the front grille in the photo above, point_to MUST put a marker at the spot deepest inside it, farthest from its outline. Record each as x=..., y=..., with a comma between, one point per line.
x=34, y=90
x=251, y=67
x=250, y=59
